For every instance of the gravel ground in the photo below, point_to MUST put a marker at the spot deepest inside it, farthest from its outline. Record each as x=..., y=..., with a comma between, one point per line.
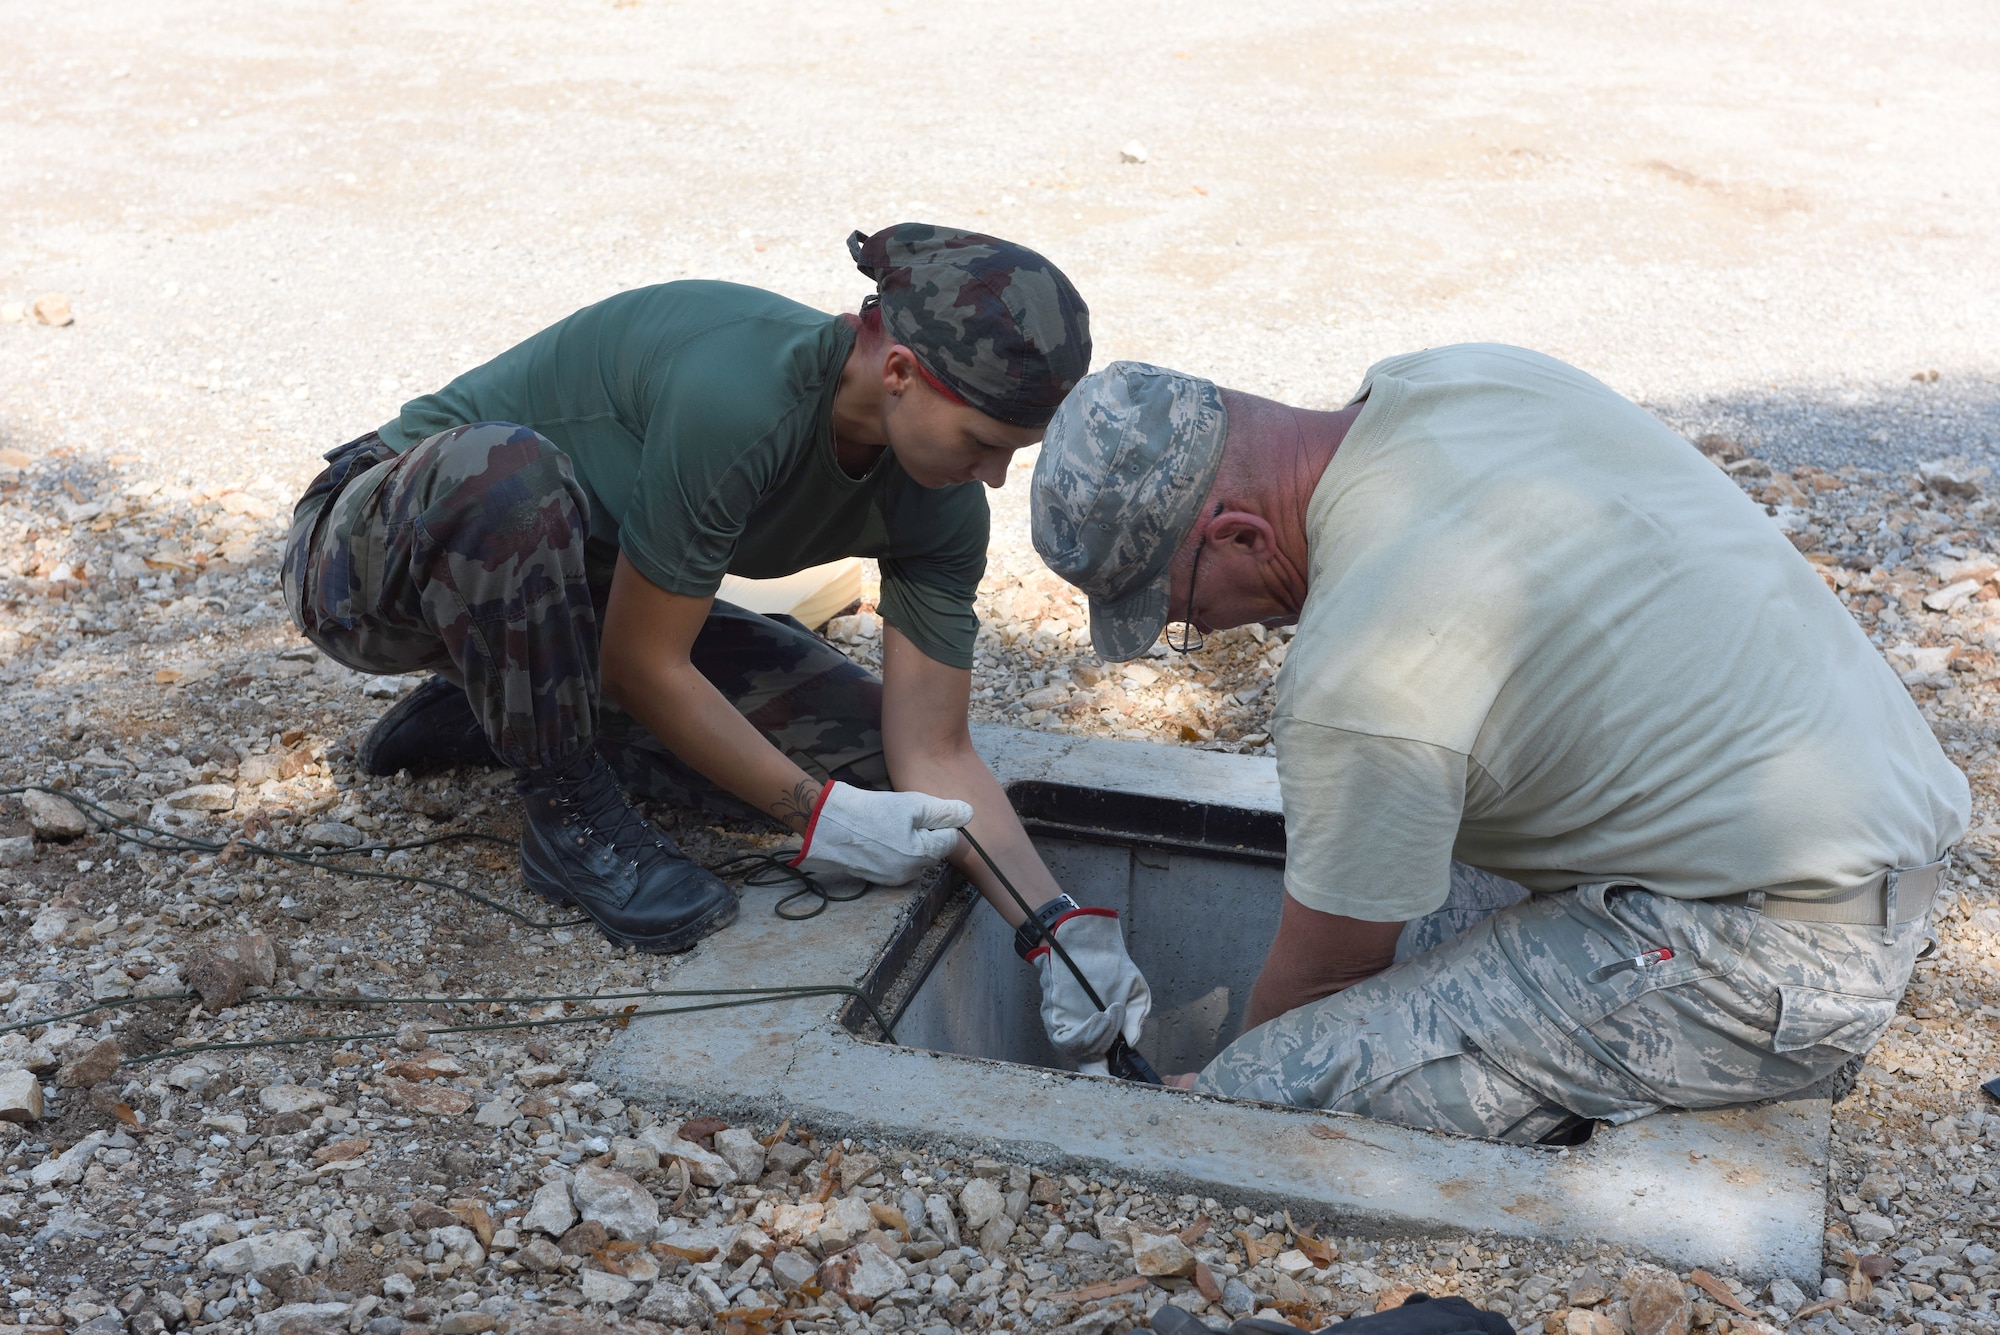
x=237, y=236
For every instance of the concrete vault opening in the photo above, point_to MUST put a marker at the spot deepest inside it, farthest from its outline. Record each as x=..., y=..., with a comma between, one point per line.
x=1188, y=846
x=1198, y=887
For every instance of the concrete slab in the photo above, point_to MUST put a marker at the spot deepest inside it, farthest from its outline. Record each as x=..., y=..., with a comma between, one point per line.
x=1739, y=1189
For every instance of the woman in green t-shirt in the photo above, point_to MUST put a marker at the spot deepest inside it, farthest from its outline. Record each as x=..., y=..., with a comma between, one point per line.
x=547, y=532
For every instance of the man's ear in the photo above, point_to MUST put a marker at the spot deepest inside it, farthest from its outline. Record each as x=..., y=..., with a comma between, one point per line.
x=1250, y=534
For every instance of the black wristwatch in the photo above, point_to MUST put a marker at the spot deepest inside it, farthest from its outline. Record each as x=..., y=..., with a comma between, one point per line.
x=1028, y=936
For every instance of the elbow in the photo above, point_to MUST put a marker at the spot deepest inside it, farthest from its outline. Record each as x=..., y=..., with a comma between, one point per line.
x=616, y=677
x=913, y=761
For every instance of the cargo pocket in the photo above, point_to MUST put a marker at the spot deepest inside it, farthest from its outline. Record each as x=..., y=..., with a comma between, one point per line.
x=1809, y=1017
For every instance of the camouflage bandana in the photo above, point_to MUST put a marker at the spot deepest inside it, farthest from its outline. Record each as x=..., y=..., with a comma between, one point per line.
x=997, y=323
x=1125, y=466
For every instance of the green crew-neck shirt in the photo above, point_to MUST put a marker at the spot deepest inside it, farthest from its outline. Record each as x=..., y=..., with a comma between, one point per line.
x=698, y=418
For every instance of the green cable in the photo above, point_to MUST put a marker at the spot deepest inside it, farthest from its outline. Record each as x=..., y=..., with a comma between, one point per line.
x=742, y=996
x=103, y=818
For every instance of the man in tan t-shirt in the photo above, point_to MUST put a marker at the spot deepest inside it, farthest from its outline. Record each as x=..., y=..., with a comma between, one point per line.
x=1547, y=657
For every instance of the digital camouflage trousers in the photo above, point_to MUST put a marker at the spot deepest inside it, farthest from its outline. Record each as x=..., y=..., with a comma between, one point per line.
x=1500, y=1030
x=469, y=556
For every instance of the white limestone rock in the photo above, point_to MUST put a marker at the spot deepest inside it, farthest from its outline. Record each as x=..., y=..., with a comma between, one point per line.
x=551, y=1211
x=497, y=1113
x=20, y=1096
x=68, y=1166
x=863, y=1272
x=261, y=1252
x=297, y=1318
x=605, y=1289
x=626, y=1209
x=53, y=817
x=980, y=1202
x=290, y=1098
x=673, y=1305
x=707, y=1168
x=739, y=1148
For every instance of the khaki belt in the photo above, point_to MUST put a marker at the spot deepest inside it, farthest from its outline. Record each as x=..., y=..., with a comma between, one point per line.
x=1888, y=899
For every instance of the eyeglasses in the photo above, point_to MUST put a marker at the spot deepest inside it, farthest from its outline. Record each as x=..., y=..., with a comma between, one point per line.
x=1190, y=640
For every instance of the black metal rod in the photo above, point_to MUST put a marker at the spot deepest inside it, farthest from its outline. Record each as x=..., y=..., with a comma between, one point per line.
x=1122, y=1059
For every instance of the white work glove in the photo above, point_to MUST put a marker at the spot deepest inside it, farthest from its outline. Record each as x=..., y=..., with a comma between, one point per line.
x=1078, y=1029
x=861, y=836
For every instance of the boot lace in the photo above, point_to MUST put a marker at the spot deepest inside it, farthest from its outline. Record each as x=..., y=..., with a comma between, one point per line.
x=593, y=803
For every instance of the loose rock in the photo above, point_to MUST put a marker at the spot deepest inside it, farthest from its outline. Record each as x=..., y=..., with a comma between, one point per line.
x=1871, y=1227
x=52, y=308
x=862, y=1272
x=843, y=1223
x=223, y=976
x=601, y=1287
x=1157, y=1256
x=263, y=1251
x=68, y=1166
x=740, y=1150
x=981, y=1201
x=793, y=1270
x=290, y=1099
x=586, y=1238
x=90, y=1066
x=626, y=1209
x=787, y=1158
x=551, y=1211
x=433, y=1100
x=673, y=1305
x=20, y=1097
x=460, y=1241
x=53, y=817
x=938, y=1210
x=707, y=1168
x=1588, y=1288
x=1583, y=1321
x=1658, y=1303
x=497, y=1113
x=202, y=797
x=334, y=834
x=854, y=1169
x=303, y=1318
x=540, y=1255
x=749, y=1241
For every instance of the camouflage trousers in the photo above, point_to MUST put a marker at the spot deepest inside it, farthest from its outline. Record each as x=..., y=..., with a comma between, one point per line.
x=469, y=556
x=1499, y=1031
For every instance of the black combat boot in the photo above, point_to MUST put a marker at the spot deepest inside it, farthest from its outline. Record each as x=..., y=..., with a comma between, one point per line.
x=583, y=844
x=431, y=728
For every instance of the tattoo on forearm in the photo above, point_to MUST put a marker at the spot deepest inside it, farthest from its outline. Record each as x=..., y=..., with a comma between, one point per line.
x=796, y=807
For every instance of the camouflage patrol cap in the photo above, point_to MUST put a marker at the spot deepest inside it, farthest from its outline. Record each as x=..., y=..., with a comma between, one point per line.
x=996, y=322
x=1125, y=466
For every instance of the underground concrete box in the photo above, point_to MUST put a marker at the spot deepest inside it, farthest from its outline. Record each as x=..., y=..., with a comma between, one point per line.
x=1188, y=846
